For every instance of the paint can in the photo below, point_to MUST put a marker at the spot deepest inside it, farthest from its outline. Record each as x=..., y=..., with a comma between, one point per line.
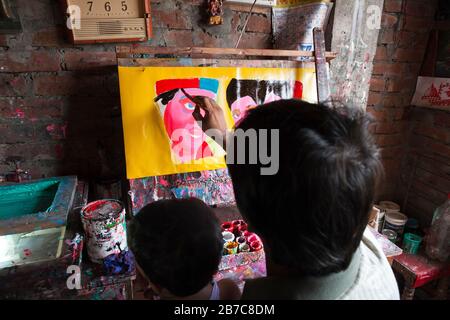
x=411, y=243
x=105, y=227
x=395, y=221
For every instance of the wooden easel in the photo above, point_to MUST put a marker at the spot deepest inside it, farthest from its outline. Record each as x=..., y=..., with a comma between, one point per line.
x=128, y=56
x=145, y=56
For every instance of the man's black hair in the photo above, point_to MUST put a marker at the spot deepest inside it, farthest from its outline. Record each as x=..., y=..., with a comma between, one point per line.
x=177, y=243
x=313, y=211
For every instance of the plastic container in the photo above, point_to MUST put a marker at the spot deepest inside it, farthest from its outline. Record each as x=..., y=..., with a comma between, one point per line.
x=227, y=236
x=438, y=241
x=411, y=243
x=389, y=206
x=390, y=234
x=231, y=247
x=395, y=221
x=412, y=226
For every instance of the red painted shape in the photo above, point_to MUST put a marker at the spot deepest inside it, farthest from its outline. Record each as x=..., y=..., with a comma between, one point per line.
x=170, y=84
x=298, y=90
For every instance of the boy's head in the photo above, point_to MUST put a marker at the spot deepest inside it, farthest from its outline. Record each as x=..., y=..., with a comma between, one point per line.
x=177, y=244
x=313, y=212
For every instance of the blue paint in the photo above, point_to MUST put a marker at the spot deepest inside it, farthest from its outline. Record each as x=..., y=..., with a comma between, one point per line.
x=27, y=198
x=209, y=84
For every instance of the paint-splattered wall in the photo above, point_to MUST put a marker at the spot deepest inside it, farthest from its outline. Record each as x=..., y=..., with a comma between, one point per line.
x=59, y=103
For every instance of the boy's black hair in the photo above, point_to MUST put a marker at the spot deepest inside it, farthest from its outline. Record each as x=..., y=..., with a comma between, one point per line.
x=177, y=243
x=313, y=212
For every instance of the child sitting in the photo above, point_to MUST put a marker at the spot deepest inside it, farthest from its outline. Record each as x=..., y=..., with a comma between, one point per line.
x=178, y=247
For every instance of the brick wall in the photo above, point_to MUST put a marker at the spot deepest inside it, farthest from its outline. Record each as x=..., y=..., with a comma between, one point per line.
x=425, y=176
x=402, y=42
x=59, y=103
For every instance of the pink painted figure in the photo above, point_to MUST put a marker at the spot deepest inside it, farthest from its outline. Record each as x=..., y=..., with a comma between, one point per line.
x=241, y=105
x=187, y=140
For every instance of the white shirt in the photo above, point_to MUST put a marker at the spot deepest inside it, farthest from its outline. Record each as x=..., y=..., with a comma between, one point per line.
x=375, y=279
x=368, y=277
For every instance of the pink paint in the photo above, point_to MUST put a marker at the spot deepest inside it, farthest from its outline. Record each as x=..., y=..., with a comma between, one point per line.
x=256, y=245
x=27, y=252
x=240, y=107
x=57, y=130
x=188, y=141
x=19, y=113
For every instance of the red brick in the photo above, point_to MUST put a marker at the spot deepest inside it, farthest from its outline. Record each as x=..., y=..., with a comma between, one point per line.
x=181, y=38
x=259, y=23
x=255, y=40
x=417, y=24
x=172, y=19
x=377, y=84
x=411, y=39
x=399, y=114
x=428, y=192
x=376, y=114
x=391, y=152
x=13, y=85
x=374, y=98
x=420, y=8
x=82, y=60
x=381, y=53
x=31, y=108
x=4, y=40
x=442, y=119
x=387, y=128
x=50, y=37
x=393, y=5
x=388, y=20
x=387, y=68
x=386, y=36
x=35, y=10
x=433, y=180
x=407, y=55
x=14, y=61
x=439, y=134
x=384, y=140
x=36, y=151
x=70, y=84
x=394, y=85
x=393, y=100
x=16, y=132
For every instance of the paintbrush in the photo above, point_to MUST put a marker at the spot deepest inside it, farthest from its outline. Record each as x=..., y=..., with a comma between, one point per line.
x=189, y=96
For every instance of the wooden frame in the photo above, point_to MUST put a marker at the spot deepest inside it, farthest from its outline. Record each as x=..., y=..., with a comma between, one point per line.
x=126, y=55
x=148, y=27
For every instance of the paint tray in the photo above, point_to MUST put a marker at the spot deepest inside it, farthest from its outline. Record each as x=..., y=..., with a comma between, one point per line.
x=30, y=247
x=33, y=217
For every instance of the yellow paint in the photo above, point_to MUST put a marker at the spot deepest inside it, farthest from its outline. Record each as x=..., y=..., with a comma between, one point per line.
x=147, y=147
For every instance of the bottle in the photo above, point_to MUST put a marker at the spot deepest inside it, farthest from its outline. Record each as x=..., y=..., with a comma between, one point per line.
x=438, y=243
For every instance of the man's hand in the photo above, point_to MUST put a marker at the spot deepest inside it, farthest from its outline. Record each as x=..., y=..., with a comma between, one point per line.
x=214, y=117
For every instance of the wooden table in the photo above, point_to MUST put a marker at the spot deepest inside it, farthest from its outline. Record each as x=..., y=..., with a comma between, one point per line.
x=48, y=280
